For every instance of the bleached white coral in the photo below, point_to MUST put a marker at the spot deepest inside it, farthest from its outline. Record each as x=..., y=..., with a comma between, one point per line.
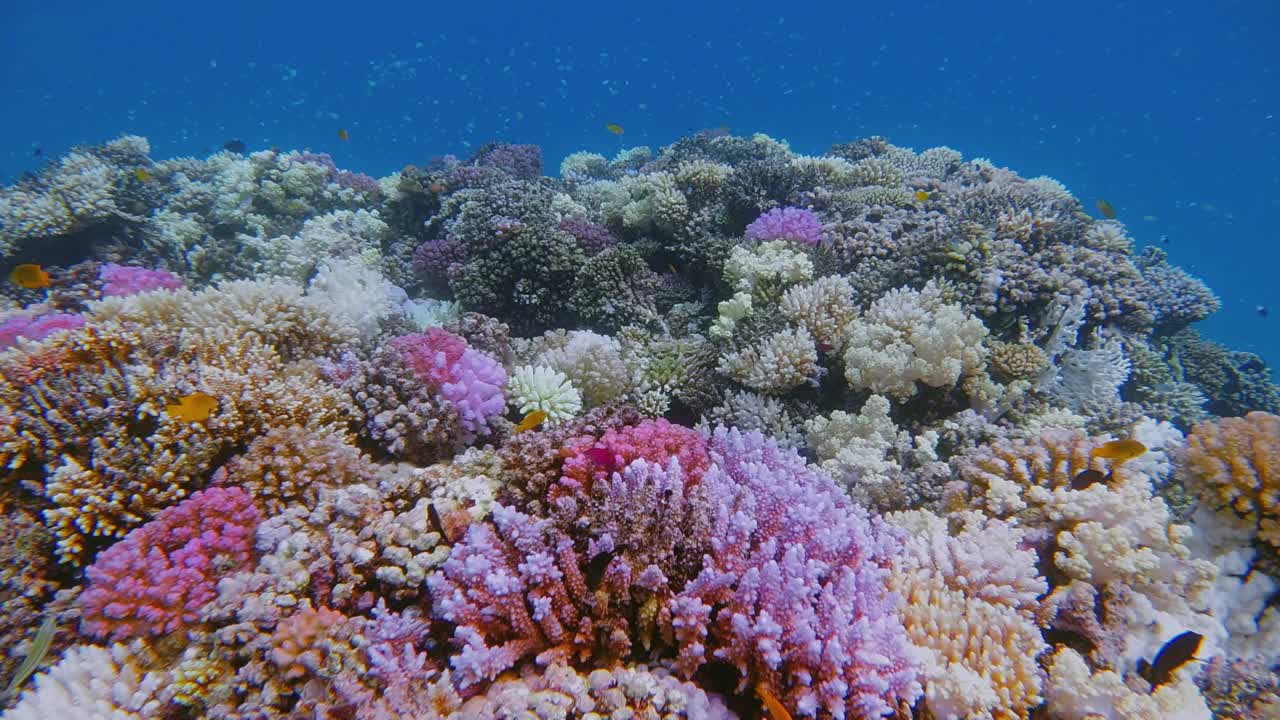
x=93, y=683
x=431, y=312
x=1091, y=377
x=541, y=388
x=778, y=363
x=341, y=234
x=358, y=293
x=911, y=336
x=1074, y=692
x=730, y=312
x=77, y=191
x=775, y=263
x=583, y=166
x=823, y=307
x=639, y=202
x=593, y=364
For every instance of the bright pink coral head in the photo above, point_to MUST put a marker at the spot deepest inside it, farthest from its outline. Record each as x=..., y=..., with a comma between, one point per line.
x=587, y=459
x=36, y=328
x=464, y=376
x=121, y=280
x=156, y=580
x=788, y=223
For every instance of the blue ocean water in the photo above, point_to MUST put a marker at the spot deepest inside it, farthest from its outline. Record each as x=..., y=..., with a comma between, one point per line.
x=1169, y=110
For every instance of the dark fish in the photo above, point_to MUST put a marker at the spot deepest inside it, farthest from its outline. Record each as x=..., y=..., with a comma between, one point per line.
x=436, y=523
x=1087, y=478
x=235, y=146
x=1172, y=656
x=1164, y=239
x=37, y=152
x=38, y=650
x=1105, y=208
x=1262, y=311
x=598, y=564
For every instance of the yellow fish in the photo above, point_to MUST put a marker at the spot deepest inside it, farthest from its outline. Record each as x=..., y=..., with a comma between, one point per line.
x=532, y=420
x=29, y=276
x=614, y=128
x=142, y=175
x=1105, y=208
x=1119, y=451
x=776, y=710
x=922, y=196
x=196, y=407
x=343, y=135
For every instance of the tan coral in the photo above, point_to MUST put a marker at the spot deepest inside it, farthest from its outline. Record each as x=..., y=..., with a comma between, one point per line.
x=970, y=604
x=1234, y=463
x=1017, y=361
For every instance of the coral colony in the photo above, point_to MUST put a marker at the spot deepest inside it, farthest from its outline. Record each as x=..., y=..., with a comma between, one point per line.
x=721, y=431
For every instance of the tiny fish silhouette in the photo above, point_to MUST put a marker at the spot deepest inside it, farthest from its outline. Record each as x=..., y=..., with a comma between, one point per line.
x=235, y=146
x=436, y=523
x=598, y=564
x=614, y=128
x=1105, y=208
x=1262, y=311
x=1088, y=478
x=343, y=135
x=1172, y=656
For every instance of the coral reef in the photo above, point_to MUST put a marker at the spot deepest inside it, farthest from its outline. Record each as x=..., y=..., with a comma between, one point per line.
x=865, y=434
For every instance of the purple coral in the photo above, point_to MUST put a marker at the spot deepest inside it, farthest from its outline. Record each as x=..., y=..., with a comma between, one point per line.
x=794, y=594
x=36, y=328
x=122, y=280
x=343, y=178
x=592, y=237
x=788, y=223
x=156, y=580
x=472, y=381
x=522, y=161
x=434, y=258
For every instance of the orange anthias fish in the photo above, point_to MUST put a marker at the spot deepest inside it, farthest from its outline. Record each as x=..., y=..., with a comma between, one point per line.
x=776, y=710
x=1105, y=208
x=29, y=276
x=532, y=420
x=343, y=135
x=614, y=128
x=1119, y=451
x=196, y=407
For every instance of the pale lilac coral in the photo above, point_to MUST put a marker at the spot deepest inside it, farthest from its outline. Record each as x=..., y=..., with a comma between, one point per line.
x=122, y=280
x=789, y=223
x=36, y=328
x=156, y=580
x=795, y=590
x=472, y=381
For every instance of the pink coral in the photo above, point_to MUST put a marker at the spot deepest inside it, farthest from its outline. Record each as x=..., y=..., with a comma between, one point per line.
x=588, y=459
x=36, y=328
x=121, y=280
x=157, y=579
x=789, y=223
x=464, y=376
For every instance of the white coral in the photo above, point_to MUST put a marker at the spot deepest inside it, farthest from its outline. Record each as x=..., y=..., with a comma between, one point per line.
x=342, y=234
x=910, y=337
x=541, y=388
x=777, y=262
x=593, y=364
x=780, y=362
x=1074, y=692
x=93, y=683
x=357, y=293
x=823, y=307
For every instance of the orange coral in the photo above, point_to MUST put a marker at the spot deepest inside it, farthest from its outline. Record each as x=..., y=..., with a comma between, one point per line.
x=1235, y=463
x=297, y=646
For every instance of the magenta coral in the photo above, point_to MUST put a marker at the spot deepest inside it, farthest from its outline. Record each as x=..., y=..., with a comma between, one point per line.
x=36, y=328
x=472, y=381
x=588, y=459
x=795, y=592
x=156, y=580
x=788, y=223
x=121, y=280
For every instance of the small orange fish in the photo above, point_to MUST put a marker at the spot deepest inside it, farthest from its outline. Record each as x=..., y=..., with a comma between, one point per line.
x=922, y=196
x=29, y=276
x=436, y=187
x=1119, y=451
x=196, y=407
x=142, y=175
x=343, y=135
x=771, y=704
x=614, y=128
x=532, y=420
x=1105, y=208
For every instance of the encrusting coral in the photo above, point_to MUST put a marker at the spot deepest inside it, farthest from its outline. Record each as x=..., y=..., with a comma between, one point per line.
x=864, y=434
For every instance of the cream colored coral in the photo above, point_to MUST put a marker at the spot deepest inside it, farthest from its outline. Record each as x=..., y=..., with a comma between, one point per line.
x=970, y=602
x=593, y=364
x=823, y=307
x=539, y=387
x=780, y=362
x=776, y=263
x=95, y=683
x=1074, y=692
x=909, y=337
x=354, y=237
x=1234, y=463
